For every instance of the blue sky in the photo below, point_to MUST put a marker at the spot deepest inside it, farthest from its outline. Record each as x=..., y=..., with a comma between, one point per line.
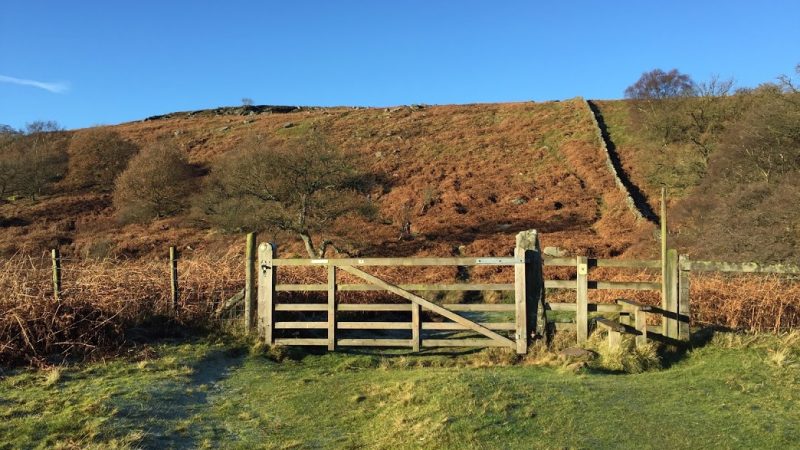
x=106, y=62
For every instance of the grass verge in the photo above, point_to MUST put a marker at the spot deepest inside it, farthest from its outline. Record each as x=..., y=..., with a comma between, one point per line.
x=736, y=391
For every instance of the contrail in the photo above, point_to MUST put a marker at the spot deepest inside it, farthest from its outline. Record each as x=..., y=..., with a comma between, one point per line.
x=58, y=87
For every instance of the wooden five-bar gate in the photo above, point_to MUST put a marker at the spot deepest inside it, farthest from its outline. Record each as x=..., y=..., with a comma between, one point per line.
x=409, y=322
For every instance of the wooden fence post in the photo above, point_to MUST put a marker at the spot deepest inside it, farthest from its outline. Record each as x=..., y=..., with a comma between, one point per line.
x=416, y=327
x=173, y=278
x=664, y=270
x=56, y=257
x=250, y=299
x=671, y=294
x=331, y=307
x=528, y=290
x=684, y=308
x=266, y=291
x=582, y=301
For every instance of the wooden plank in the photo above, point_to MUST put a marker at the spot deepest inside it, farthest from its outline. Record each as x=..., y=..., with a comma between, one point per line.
x=429, y=305
x=609, y=324
x=559, y=262
x=427, y=343
x=173, y=279
x=563, y=307
x=300, y=325
x=319, y=287
x=625, y=285
x=374, y=342
x=394, y=307
x=250, y=295
x=457, y=326
x=480, y=307
x=582, y=300
x=300, y=341
x=266, y=291
x=374, y=325
x=591, y=307
x=406, y=287
x=747, y=267
x=398, y=307
x=605, y=285
x=433, y=287
x=331, y=307
x=623, y=263
x=684, y=308
x=301, y=307
x=424, y=261
x=632, y=305
x=627, y=263
x=416, y=328
x=560, y=284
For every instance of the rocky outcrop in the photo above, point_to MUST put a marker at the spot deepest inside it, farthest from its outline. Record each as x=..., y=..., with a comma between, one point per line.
x=244, y=110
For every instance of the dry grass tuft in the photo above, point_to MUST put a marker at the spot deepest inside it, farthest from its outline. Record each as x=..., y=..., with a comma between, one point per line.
x=101, y=300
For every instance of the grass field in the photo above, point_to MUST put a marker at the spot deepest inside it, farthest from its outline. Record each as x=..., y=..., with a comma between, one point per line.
x=736, y=391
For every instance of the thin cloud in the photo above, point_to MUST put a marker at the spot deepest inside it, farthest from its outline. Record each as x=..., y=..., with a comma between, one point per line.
x=58, y=87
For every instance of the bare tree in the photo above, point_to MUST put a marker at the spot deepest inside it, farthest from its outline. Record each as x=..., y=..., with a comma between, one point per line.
x=709, y=114
x=658, y=85
x=156, y=184
x=97, y=156
x=39, y=158
x=247, y=101
x=301, y=187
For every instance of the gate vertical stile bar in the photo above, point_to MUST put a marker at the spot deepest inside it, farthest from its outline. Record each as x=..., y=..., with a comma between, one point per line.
x=331, y=307
x=267, y=276
x=416, y=327
x=582, y=300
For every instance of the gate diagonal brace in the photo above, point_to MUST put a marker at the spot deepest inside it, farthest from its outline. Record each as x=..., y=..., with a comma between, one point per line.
x=429, y=305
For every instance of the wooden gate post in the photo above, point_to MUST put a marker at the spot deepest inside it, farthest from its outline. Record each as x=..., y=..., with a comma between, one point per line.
x=416, y=327
x=173, y=278
x=56, y=257
x=528, y=290
x=582, y=300
x=684, y=309
x=670, y=326
x=331, y=307
x=250, y=300
x=266, y=291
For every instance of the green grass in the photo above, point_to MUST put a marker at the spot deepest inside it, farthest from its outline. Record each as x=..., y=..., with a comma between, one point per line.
x=735, y=392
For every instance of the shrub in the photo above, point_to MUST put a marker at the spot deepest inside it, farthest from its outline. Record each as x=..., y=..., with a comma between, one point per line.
x=155, y=184
x=301, y=187
x=96, y=157
x=32, y=161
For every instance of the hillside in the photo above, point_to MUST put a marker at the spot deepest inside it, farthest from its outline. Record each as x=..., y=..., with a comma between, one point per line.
x=486, y=172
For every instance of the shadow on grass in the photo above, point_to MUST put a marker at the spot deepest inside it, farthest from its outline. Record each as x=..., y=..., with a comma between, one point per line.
x=673, y=352
x=164, y=410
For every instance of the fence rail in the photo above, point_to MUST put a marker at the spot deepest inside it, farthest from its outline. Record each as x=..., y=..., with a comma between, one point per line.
x=267, y=311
